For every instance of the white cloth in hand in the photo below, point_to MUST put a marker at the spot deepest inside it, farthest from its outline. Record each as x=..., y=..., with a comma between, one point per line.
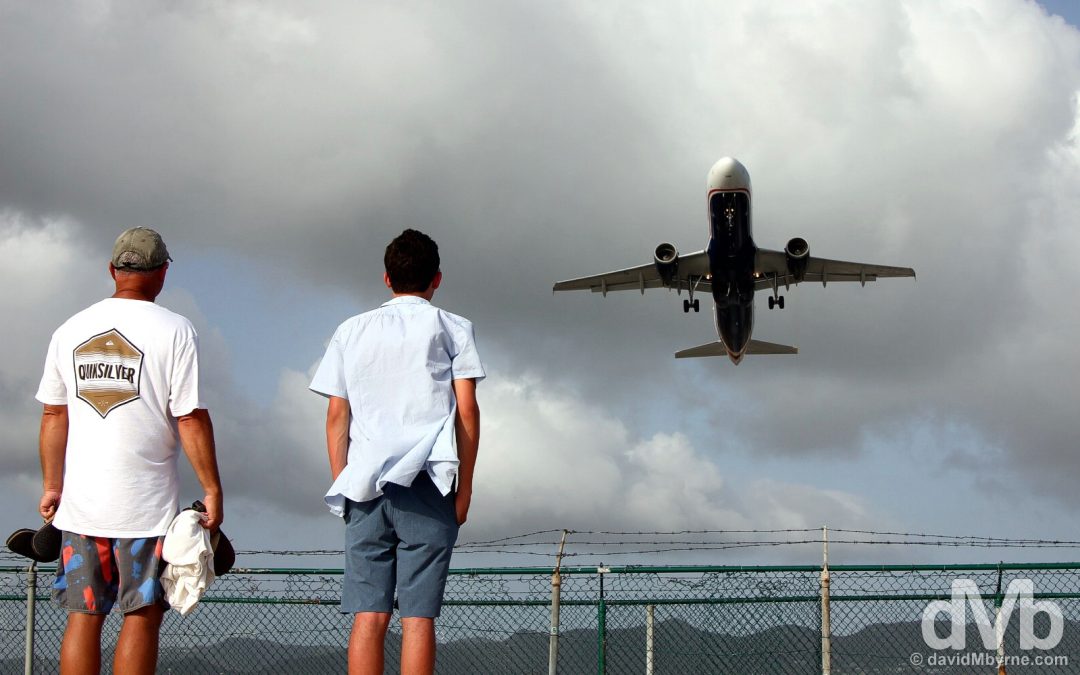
x=190, y=568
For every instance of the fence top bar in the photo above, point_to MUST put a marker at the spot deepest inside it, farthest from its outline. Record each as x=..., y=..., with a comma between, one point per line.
x=659, y=569
x=635, y=569
x=699, y=569
x=973, y=567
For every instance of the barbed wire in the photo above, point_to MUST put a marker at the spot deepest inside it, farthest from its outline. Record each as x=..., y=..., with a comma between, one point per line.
x=583, y=543
x=521, y=536
x=938, y=536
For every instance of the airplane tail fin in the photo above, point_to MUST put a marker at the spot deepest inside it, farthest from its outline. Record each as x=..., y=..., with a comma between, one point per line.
x=718, y=349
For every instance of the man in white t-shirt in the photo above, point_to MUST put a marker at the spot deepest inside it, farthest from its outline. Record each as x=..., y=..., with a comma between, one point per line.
x=121, y=390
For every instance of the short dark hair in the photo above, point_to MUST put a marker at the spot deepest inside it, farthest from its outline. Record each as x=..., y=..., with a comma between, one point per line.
x=411, y=261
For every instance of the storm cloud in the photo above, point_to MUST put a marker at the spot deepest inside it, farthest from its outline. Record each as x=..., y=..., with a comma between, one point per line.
x=278, y=147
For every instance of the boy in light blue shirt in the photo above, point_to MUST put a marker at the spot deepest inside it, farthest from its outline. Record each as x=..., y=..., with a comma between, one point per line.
x=402, y=425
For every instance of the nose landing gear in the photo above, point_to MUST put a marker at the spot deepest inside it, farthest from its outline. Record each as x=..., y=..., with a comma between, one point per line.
x=688, y=304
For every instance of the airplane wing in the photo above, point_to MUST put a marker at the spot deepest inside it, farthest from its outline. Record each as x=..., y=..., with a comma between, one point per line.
x=691, y=272
x=773, y=264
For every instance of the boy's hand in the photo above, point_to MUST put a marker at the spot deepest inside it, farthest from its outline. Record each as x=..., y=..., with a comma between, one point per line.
x=461, y=505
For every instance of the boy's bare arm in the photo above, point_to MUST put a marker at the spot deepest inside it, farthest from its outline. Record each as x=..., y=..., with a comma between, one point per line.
x=197, y=438
x=337, y=434
x=52, y=445
x=467, y=428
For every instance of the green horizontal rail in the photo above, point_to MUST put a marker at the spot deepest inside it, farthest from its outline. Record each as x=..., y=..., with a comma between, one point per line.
x=672, y=569
x=639, y=602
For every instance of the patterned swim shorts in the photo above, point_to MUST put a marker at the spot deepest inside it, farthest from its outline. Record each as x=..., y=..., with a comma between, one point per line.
x=93, y=572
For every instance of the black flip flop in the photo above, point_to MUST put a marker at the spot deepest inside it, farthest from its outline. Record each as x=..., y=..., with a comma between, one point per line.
x=21, y=542
x=224, y=554
x=46, y=543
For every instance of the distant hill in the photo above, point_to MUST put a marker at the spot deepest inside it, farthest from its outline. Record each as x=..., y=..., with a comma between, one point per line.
x=680, y=649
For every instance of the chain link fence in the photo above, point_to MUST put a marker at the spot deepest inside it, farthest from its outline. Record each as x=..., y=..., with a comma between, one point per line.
x=704, y=620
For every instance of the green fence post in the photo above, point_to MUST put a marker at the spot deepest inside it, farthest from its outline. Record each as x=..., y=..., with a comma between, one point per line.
x=999, y=627
x=601, y=625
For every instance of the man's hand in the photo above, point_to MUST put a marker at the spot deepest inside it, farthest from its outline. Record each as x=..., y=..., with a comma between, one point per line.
x=50, y=499
x=214, y=513
x=461, y=505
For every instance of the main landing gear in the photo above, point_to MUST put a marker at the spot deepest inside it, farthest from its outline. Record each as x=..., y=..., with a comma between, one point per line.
x=695, y=304
x=776, y=300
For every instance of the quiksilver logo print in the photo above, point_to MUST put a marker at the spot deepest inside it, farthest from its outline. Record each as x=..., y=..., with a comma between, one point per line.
x=107, y=370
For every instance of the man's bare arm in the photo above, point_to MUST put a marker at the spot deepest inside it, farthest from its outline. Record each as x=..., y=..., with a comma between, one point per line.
x=467, y=428
x=197, y=438
x=52, y=446
x=337, y=434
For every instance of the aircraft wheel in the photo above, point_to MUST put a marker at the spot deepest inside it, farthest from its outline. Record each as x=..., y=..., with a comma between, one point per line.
x=772, y=302
x=686, y=306
x=780, y=302
x=697, y=305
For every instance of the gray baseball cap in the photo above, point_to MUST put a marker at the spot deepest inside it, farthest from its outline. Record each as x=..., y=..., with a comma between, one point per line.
x=139, y=248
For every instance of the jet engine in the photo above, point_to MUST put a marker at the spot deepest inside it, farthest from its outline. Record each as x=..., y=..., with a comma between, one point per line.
x=667, y=262
x=798, y=255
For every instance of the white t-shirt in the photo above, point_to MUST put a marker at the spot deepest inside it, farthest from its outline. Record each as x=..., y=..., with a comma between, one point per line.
x=126, y=369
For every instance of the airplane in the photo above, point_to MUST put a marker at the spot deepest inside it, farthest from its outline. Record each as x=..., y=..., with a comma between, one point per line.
x=732, y=268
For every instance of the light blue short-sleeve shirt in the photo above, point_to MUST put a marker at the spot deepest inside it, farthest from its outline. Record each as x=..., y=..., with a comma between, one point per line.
x=396, y=366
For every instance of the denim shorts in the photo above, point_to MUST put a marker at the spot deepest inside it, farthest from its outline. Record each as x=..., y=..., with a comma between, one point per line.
x=94, y=572
x=402, y=539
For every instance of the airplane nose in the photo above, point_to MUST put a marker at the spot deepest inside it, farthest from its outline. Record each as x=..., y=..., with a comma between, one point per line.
x=724, y=164
x=728, y=174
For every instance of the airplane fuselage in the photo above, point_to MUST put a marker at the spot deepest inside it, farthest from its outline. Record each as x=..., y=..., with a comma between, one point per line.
x=731, y=252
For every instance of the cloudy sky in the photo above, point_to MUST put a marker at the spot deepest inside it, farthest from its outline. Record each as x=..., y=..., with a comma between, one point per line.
x=278, y=146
